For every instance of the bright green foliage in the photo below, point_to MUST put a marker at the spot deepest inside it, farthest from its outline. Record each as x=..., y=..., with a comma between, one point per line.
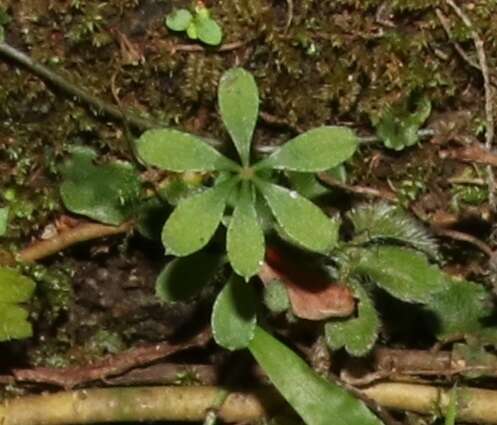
x=357, y=334
x=179, y=20
x=4, y=220
x=233, y=317
x=196, y=218
x=245, y=239
x=198, y=26
x=316, y=150
x=299, y=218
x=173, y=150
x=306, y=184
x=381, y=222
x=182, y=278
x=276, y=297
x=460, y=308
x=316, y=400
x=398, y=127
x=107, y=193
x=451, y=414
x=404, y=273
x=239, y=107
x=14, y=290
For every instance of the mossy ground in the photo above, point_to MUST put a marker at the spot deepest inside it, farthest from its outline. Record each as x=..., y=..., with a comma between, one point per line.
x=338, y=62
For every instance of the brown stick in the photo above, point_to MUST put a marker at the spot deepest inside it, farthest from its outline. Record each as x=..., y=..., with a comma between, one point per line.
x=111, y=366
x=80, y=233
x=489, y=113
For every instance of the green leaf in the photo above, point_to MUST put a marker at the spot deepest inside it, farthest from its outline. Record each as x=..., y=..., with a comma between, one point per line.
x=4, y=220
x=182, y=278
x=398, y=127
x=316, y=150
x=306, y=184
x=233, y=317
x=14, y=289
x=299, y=218
x=208, y=31
x=380, y=222
x=276, y=297
x=108, y=193
x=239, y=106
x=178, y=20
x=174, y=150
x=245, y=239
x=316, y=400
x=357, y=334
x=404, y=273
x=195, y=219
x=460, y=308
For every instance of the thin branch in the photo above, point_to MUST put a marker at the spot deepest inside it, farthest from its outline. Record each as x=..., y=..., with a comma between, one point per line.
x=111, y=366
x=73, y=90
x=489, y=113
x=81, y=233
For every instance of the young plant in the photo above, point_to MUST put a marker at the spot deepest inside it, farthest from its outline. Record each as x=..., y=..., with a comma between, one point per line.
x=195, y=219
x=199, y=26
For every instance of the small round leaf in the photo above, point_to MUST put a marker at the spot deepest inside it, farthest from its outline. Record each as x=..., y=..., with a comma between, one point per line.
x=208, y=31
x=178, y=20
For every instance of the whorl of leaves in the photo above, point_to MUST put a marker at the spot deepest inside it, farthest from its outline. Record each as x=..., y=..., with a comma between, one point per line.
x=383, y=222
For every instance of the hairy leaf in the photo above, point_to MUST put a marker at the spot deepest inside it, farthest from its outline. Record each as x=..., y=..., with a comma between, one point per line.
x=460, y=308
x=178, y=20
x=316, y=400
x=174, y=150
x=184, y=277
x=383, y=222
x=239, y=106
x=108, y=193
x=357, y=334
x=306, y=184
x=300, y=219
x=404, y=273
x=14, y=289
x=398, y=127
x=233, y=317
x=195, y=219
x=4, y=219
x=276, y=296
x=318, y=149
x=245, y=239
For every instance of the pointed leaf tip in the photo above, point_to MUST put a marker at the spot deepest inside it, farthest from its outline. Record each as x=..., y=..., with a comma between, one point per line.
x=239, y=106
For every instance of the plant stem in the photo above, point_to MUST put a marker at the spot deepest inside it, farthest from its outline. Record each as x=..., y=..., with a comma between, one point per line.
x=72, y=89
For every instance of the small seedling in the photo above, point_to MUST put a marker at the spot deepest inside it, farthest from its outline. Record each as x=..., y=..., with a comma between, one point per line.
x=199, y=25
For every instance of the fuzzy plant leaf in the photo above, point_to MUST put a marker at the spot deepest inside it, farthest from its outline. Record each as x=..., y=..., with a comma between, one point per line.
x=208, y=31
x=459, y=308
x=173, y=150
x=381, y=222
x=4, y=220
x=178, y=20
x=245, y=238
x=398, y=127
x=14, y=290
x=276, y=296
x=316, y=150
x=108, y=193
x=182, y=278
x=239, y=106
x=357, y=334
x=317, y=401
x=404, y=273
x=195, y=219
x=233, y=316
x=306, y=184
x=300, y=219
